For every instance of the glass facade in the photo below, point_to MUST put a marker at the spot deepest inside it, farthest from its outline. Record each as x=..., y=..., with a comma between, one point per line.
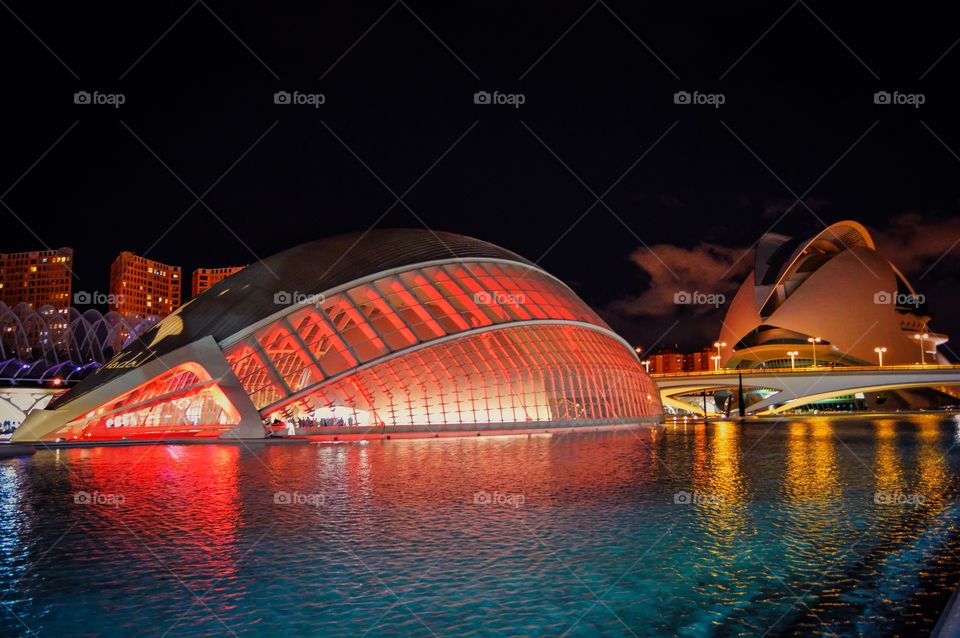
x=447, y=345
x=300, y=366
x=183, y=401
x=522, y=374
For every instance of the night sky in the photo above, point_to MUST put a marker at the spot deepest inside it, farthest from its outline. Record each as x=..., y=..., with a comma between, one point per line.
x=684, y=188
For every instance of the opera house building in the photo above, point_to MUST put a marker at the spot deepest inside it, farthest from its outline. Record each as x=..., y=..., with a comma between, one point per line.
x=831, y=299
x=391, y=332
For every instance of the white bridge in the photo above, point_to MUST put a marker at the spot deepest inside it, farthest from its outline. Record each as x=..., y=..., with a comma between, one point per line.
x=792, y=388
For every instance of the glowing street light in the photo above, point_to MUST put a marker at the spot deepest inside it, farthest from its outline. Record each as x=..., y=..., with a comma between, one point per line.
x=638, y=349
x=793, y=359
x=718, y=345
x=716, y=362
x=880, y=350
x=813, y=341
x=646, y=365
x=920, y=336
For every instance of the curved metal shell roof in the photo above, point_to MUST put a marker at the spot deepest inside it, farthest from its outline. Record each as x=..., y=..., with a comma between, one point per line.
x=308, y=269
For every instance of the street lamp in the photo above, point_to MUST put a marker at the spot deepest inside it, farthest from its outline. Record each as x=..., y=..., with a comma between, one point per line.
x=813, y=341
x=638, y=349
x=646, y=365
x=793, y=359
x=718, y=345
x=716, y=362
x=920, y=336
x=880, y=350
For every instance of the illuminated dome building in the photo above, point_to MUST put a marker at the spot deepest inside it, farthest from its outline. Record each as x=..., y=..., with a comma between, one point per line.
x=391, y=332
x=836, y=287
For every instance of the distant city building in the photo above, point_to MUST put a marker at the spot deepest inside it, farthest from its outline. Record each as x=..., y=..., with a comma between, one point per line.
x=671, y=360
x=665, y=361
x=831, y=299
x=36, y=278
x=699, y=361
x=204, y=278
x=143, y=287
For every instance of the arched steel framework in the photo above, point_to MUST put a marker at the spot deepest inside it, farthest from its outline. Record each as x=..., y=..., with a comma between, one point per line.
x=444, y=343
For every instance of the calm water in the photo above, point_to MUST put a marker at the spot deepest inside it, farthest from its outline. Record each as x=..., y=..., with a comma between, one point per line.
x=777, y=530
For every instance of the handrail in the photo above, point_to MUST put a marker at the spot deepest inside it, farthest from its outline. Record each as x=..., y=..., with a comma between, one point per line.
x=807, y=370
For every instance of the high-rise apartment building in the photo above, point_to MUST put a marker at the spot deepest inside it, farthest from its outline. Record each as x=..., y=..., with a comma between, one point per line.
x=203, y=278
x=143, y=287
x=37, y=278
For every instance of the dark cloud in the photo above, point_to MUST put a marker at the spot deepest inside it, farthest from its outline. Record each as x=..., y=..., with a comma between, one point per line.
x=706, y=268
x=921, y=246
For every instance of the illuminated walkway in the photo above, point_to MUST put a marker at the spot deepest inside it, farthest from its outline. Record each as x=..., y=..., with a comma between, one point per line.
x=792, y=388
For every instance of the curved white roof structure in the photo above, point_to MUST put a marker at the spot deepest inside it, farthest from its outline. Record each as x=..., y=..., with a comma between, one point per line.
x=834, y=286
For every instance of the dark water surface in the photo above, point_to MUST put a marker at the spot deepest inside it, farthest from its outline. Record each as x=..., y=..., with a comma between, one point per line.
x=812, y=526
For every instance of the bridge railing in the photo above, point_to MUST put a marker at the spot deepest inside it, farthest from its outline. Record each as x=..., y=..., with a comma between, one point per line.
x=807, y=370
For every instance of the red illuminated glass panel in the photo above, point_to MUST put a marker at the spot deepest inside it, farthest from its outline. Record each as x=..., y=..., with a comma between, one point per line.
x=434, y=301
x=353, y=328
x=459, y=297
x=388, y=324
x=512, y=304
x=482, y=297
x=167, y=405
x=289, y=358
x=525, y=374
x=410, y=308
x=400, y=311
x=324, y=343
x=253, y=374
x=172, y=380
x=518, y=290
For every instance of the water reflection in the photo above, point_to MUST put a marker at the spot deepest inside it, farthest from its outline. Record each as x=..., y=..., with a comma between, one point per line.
x=812, y=474
x=789, y=509
x=887, y=465
x=931, y=465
